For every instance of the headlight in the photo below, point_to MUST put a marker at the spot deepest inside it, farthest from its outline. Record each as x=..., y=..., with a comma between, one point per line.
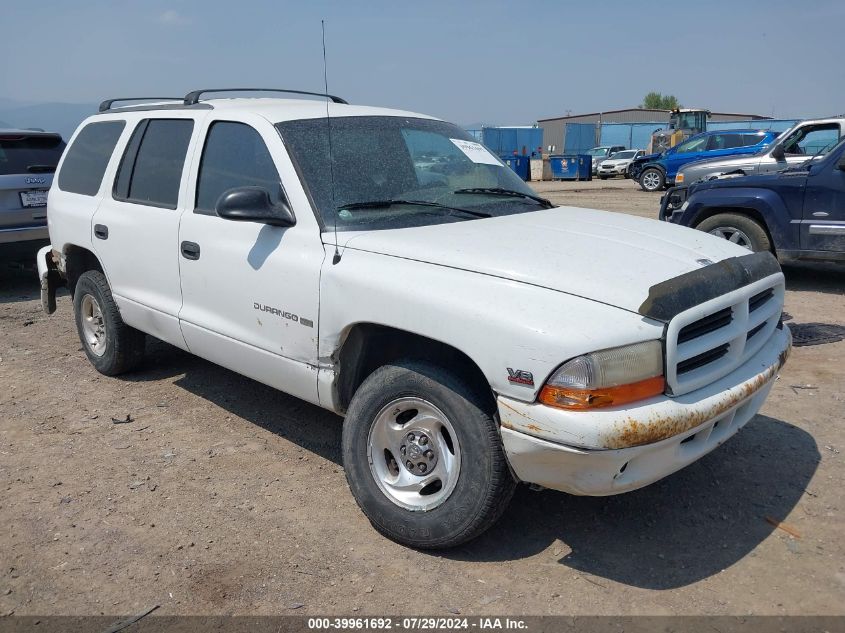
x=610, y=377
x=679, y=178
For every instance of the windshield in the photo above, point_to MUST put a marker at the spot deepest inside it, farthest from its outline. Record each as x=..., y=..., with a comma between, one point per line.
x=404, y=161
x=22, y=154
x=695, y=144
x=626, y=154
x=598, y=151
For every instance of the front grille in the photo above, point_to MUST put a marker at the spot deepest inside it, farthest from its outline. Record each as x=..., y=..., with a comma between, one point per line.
x=703, y=326
x=710, y=340
x=703, y=359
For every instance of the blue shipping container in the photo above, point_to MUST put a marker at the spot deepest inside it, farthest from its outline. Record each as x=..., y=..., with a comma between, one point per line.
x=520, y=164
x=522, y=141
x=572, y=167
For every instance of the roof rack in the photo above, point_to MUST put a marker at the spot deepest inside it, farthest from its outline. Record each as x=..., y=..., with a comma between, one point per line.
x=192, y=98
x=107, y=104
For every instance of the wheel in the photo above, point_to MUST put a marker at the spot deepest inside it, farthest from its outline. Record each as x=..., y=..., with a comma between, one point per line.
x=602, y=177
x=739, y=229
x=112, y=346
x=423, y=456
x=652, y=179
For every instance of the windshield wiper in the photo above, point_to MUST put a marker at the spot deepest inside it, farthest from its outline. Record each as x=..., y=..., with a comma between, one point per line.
x=383, y=204
x=510, y=193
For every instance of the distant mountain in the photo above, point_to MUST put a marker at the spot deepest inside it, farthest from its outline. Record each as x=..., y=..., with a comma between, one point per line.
x=52, y=117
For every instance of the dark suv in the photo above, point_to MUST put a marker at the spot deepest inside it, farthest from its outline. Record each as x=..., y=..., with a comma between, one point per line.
x=28, y=159
x=797, y=213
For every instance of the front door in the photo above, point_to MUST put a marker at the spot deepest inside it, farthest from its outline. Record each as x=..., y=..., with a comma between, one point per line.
x=823, y=226
x=250, y=290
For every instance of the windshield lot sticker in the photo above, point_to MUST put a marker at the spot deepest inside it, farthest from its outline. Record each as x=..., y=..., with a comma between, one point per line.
x=476, y=152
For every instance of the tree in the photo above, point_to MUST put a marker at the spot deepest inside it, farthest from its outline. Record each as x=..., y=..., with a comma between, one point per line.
x=657, y=101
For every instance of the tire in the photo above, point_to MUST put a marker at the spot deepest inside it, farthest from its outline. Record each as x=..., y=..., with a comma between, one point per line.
x=409, y=396
x=652, y=179
x=112, y=346
x=602, y=177
x=739, y=229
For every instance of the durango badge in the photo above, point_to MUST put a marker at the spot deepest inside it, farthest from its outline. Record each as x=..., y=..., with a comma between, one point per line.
x=520, y=377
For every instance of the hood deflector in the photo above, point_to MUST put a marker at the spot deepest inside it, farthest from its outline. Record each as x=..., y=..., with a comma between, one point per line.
x=671, y=297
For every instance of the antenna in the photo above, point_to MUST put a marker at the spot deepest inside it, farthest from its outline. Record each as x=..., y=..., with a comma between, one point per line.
x=336, y=256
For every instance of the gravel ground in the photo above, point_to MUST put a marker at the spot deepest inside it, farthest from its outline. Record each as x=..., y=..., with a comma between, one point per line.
x=220, y=495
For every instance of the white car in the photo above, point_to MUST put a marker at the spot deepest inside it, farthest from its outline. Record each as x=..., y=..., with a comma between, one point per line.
x=618, y=164
x=385, y=266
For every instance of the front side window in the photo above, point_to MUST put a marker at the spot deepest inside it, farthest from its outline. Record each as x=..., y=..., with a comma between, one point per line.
x=812, y=139
x=438, y=168
x=234, y=156
x=150, y=171
x=88, y=156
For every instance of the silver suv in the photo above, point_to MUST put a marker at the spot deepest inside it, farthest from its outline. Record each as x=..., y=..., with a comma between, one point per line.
x=797, y=144
x=28, y=159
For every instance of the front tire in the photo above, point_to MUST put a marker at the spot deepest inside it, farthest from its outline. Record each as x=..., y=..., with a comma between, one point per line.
x=112, y=346
x=652, y=179
x=739, y=229
x=423, y=456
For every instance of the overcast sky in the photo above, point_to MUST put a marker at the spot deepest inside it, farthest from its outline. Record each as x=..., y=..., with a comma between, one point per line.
x=493, y=62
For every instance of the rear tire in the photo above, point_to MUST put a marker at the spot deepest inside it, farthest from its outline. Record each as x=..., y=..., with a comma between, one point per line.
x=652, y=179
x=417, y=400
x=112, y=346
x=739, y=229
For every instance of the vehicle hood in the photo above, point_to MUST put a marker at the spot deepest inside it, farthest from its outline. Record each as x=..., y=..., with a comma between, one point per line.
x=762, y=181
x=600, y=255
x=615, y=162
x=648, y=157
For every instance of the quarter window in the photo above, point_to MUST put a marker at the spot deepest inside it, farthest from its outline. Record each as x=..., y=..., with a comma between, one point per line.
x=234, y=156
x=151, y=169
x=88, y=156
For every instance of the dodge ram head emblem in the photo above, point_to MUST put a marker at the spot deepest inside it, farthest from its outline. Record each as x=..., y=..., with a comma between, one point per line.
x=520, y=377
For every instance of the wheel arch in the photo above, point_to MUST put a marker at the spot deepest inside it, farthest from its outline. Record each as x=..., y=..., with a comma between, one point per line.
x=367, y=346
x=78, y=260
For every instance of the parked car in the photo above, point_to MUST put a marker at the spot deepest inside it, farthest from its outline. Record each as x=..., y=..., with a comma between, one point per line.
x=28, y=159
x=421, y=299
x=797, y=213
x=598, y=154
x=618, y=164
x=805, y=139
x=654, y=172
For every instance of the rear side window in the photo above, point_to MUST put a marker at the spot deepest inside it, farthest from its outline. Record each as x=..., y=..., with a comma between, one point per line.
x=752, y=139
x=88, y=156
x=234, y=156
x=22, y=154
x=150, y=171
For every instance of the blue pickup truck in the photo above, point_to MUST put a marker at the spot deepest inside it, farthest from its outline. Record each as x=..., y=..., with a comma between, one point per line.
x=797, y=213
x=654, y=172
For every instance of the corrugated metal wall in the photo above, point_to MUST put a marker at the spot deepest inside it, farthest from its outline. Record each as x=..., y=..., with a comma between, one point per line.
x=504, y=141
x=631, y=135
x=776, y=125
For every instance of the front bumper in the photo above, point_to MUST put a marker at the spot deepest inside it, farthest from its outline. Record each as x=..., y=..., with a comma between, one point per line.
x=615, y=450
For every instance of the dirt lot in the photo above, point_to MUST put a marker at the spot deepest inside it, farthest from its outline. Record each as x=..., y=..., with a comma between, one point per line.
x=224, y=496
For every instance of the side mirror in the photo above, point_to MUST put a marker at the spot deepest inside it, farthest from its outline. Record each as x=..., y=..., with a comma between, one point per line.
x=778, y=153
x=253, y=204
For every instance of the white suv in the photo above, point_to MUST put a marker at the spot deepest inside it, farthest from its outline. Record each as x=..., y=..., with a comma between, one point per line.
x=385, y=266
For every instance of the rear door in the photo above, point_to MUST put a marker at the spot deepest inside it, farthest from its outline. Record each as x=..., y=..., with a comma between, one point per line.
x=136, y=227
x=27, y=164
x=823, y=226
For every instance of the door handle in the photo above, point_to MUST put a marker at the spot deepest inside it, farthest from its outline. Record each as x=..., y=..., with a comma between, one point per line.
x=190, y=250
x=101, y=231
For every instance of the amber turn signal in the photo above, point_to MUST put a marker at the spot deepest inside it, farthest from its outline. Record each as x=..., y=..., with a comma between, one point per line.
x=579, y=399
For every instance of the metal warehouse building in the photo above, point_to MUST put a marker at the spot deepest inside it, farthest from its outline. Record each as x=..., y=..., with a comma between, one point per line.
x=577, y=132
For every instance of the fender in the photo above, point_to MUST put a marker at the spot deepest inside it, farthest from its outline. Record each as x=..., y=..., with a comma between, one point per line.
x=766, y=202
